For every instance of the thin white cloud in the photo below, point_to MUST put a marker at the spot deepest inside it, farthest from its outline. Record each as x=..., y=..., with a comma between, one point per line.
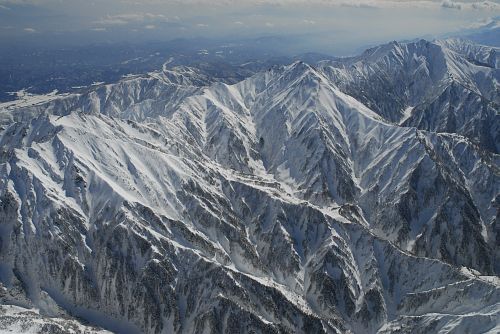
x=488, y=5
x=343, y=3
x=331, y=25
x=29, y=30
x=358, y=4
x=150, y=27
x=431, y=4
x=384, y=4
x=451, y=4
x=480, y=5
x=122, y=19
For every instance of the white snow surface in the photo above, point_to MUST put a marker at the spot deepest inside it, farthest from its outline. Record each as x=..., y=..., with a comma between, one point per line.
x=168, y=203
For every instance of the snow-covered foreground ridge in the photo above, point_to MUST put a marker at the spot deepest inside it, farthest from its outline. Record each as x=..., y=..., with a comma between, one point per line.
x=301, y=200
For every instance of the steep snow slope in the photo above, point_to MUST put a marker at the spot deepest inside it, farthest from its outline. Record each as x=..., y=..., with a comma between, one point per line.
x=14, y=319
x=442, y=86
x=167, y=203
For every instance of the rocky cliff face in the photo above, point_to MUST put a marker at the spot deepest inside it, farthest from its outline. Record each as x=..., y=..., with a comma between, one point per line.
x=292, y=201
x=443, y=86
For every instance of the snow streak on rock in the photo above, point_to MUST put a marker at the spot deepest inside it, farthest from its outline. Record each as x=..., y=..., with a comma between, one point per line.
x=359, y=195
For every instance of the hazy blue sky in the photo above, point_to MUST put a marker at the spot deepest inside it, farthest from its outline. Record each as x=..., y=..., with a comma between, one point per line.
x=328, y=25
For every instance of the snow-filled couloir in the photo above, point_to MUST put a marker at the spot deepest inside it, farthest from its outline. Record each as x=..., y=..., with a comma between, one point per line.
x=297, y=200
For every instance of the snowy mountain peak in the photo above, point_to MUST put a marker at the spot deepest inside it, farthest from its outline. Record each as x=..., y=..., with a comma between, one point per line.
x=359, y=196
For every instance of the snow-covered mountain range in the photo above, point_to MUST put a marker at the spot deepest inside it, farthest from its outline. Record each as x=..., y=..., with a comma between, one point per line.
x=357, y=195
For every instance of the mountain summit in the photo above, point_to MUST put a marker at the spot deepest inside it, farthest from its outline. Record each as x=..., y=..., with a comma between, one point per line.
x=356, y=195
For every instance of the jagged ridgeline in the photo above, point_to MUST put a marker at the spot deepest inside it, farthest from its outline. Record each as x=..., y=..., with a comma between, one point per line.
x=357, y=195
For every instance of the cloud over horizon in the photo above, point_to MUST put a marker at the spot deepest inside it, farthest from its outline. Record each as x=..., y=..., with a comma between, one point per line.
x=324, y=24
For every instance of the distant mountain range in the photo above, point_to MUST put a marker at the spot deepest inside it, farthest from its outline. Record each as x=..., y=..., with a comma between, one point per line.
x=356, y=194
x=487, y=32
